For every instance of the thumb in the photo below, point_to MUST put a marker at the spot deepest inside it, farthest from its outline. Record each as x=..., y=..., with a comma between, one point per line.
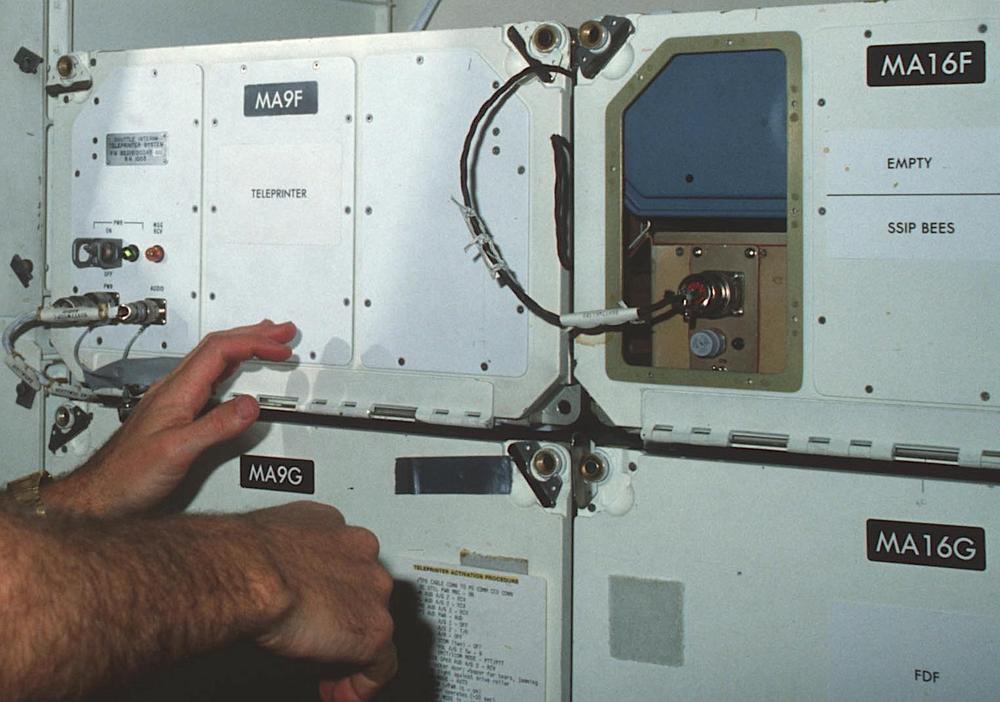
x=225, y=421
x=363, y=685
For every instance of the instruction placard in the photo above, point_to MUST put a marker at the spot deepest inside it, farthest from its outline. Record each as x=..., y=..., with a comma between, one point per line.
x=488, y=631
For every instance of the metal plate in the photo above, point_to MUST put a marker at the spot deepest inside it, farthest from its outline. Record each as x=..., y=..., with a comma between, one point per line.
x=769, y=559
x=156, y=202
x=427, y=304
x=279, y=194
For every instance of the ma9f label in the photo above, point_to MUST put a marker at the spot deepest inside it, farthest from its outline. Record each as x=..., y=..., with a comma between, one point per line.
x=270, y=99
x=282, y=474
x=927, y=64
x=937, y=545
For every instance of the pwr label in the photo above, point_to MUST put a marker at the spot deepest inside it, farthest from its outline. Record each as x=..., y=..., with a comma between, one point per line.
x=945, y=63
x=936, y=545
x=281, y=474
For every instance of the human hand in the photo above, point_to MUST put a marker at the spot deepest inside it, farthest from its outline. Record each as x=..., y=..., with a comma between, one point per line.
x=339, y=597
x=151, y=452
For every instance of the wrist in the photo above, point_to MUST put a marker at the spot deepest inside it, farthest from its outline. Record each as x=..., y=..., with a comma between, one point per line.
x=25, y=492
x=75, y=494
x=269, y=597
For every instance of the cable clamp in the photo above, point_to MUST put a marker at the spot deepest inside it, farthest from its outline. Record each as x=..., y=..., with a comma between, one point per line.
x=482, y=241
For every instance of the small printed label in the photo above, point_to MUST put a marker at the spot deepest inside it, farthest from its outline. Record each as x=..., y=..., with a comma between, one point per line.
x=920, y=194
x=137, y=149
x=269, y=99
x=943, y=63
x=937, y=545
x=281, y=474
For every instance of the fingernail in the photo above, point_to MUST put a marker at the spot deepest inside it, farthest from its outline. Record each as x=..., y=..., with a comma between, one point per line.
x=246, y=407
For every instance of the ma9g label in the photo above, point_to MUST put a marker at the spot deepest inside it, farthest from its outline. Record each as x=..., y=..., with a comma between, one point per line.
x=927, y=64
x=281, y=474
x=936, y=545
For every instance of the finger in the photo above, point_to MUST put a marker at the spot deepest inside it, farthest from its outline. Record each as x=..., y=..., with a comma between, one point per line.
x=281, y=333
x=207, y=364
x=365, y=685
x=225, y=421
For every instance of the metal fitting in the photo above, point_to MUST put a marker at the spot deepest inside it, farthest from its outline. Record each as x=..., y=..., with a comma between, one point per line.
x=546, y=463
x=64, y=417
x=593, y=36
x=593, y=468
x=546, y=39
x=66, y=66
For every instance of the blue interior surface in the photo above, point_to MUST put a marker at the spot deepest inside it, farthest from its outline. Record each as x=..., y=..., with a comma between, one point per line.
x=708, y=138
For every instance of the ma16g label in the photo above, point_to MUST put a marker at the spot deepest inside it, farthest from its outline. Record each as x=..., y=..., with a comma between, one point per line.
x=945, y=63
x=936, y=545
x=281, y=474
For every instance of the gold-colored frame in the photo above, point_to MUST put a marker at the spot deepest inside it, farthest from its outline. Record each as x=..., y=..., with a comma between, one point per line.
x=790, y=379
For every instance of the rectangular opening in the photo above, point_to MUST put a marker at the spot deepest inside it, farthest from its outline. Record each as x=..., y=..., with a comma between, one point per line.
x=707, y=205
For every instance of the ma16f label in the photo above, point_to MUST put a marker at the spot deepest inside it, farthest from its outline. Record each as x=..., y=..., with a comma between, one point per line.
x=937, y=545
x=281, y=474
x=945, y=63
x=270, y=99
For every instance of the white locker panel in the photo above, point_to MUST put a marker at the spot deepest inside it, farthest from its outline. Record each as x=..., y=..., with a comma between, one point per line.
x=897, y=200
x=456, y=542
x=731, y=581
x=398, y=317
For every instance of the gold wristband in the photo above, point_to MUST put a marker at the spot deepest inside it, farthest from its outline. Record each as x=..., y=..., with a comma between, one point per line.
x=26, y=491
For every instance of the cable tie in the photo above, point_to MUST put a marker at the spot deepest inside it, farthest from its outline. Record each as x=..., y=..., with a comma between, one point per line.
x=482, y=240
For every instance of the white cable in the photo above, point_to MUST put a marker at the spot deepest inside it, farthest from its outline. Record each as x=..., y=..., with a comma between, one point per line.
x=423, y=17
x=73, y=315
x=76, y=348
x=13, y=329
x=135, y=338
x=643, y=233
x=600, y=318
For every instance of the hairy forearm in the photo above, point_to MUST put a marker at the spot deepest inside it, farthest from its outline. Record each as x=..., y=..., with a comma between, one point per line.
x=86, y=604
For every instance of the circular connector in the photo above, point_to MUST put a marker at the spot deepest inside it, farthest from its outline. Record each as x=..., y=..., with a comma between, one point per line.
x=593, y=468
x=593, y=36
x=708, y=343
x=546, y=463
x=155, y=253
x=546, y=39
x=66, y=66
x=713, y=294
